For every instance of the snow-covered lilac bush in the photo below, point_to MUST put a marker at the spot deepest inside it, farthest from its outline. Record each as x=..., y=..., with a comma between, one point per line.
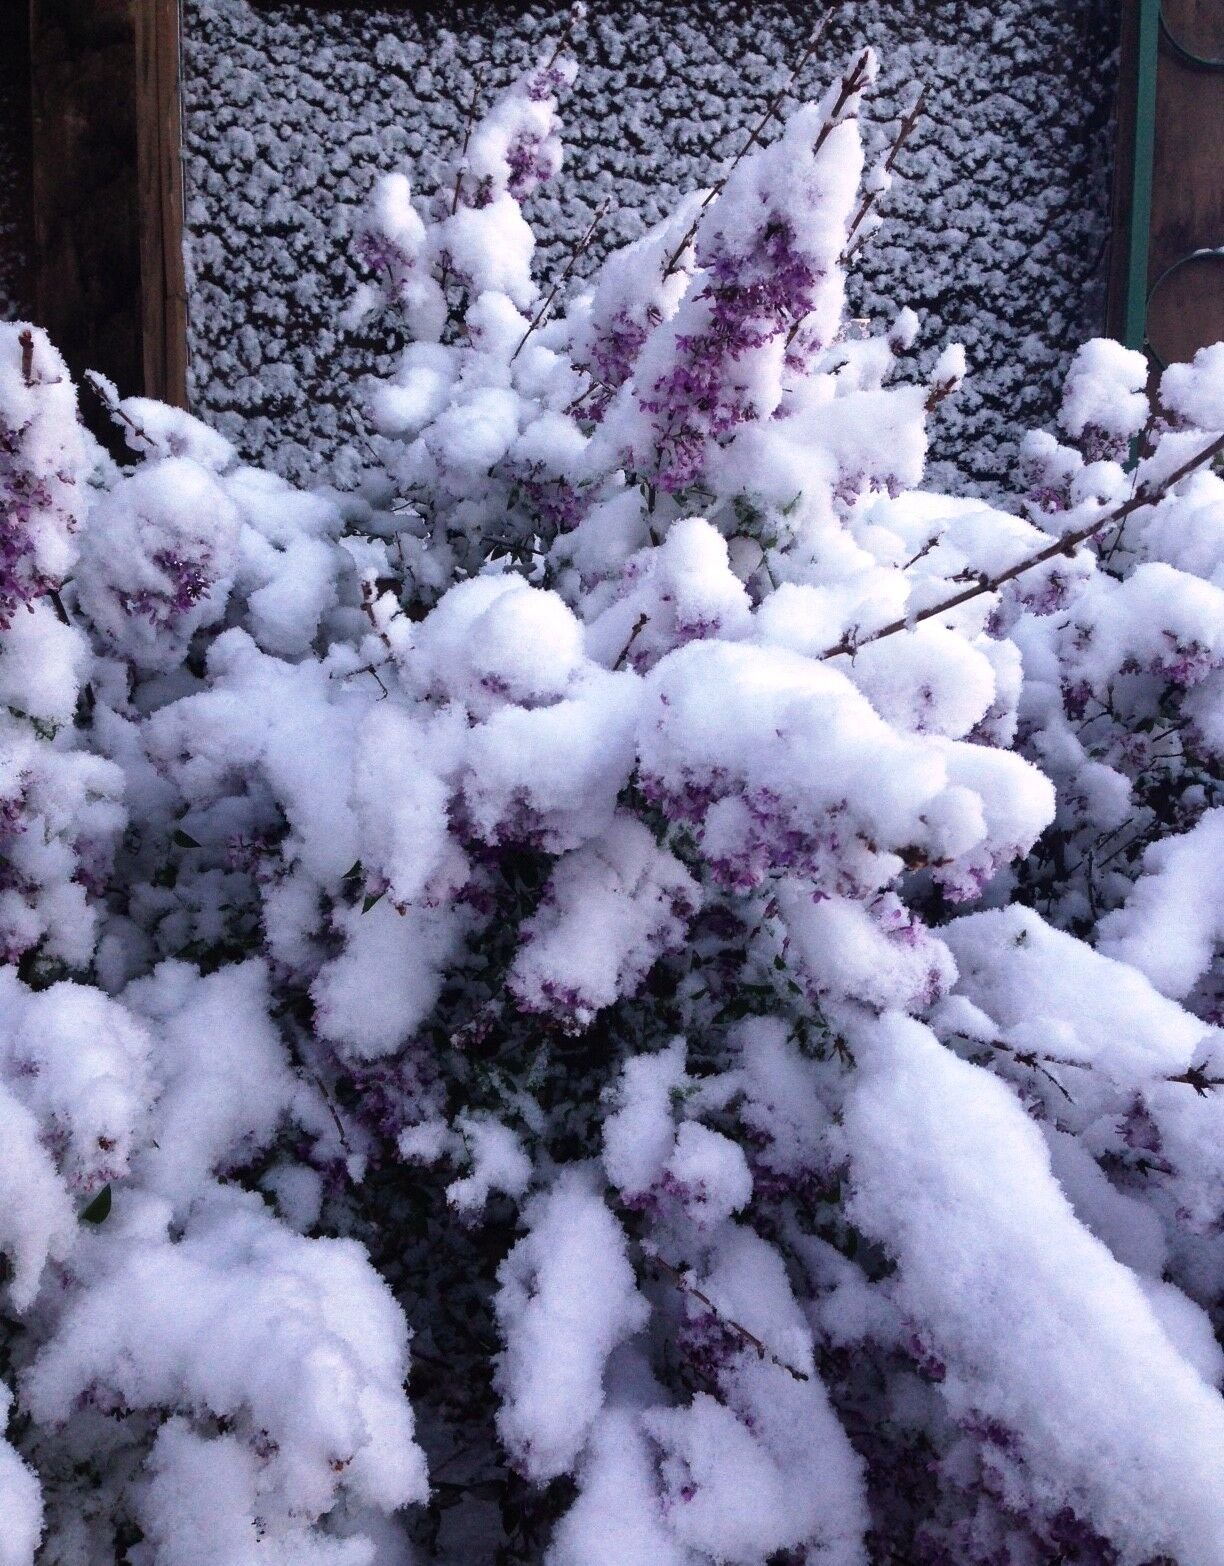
x=639, y=988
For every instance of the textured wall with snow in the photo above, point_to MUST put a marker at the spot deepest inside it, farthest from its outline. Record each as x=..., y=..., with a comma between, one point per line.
x=996, y=235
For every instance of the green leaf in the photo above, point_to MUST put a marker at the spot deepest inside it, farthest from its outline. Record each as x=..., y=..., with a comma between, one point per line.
x=369, y=900
x=98, y=1210
x=355, y=873
x=182, y=840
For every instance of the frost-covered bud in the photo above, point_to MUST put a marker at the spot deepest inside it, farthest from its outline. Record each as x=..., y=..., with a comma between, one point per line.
x=156, y=560
x=1105, y=400
x=610, y=911
x=44, y=463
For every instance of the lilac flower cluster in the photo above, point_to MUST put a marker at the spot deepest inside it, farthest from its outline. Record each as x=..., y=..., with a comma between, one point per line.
x=12, y=810
x=558, y=504
x=188, y=582
x=565, y=1004
x=1185, y=663
x=706, y=1343
x=385, y=1096
x=529, y=166
x=686, y=802
x=515, y=148
x=773, y=837
x=613, y=356
x=382, y=255
x=25, y=498
x=1044, y=593
x=749, y=301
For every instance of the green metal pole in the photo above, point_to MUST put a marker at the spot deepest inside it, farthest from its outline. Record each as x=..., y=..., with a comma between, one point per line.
x=1135, y=330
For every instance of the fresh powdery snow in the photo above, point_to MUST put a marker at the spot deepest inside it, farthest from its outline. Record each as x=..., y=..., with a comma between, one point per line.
x=636, y=984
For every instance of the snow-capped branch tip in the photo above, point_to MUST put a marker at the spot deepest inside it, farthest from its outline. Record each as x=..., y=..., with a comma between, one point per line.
x=1066, y=545
x=769, y=112
x=749, y=1339
x=468, y=126
x=870, y=197
x=575, y=16
x=855, y=79
x=576, y=254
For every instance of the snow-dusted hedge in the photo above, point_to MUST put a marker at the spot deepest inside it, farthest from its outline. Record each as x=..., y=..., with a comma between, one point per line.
x=711, y=941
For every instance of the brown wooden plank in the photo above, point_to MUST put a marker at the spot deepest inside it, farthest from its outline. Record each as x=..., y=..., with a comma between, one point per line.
x=1187, y=310
x=16, y=194
x=160, y=185
x=86, y=251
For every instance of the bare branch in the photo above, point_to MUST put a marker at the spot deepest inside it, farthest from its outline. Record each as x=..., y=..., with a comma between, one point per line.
x=639, y=627
x=1066, y=545
x=469, y=123
x=750, y=1339
x=870, y=197
x=541, y=314
x=576, y=14
x=852, y=82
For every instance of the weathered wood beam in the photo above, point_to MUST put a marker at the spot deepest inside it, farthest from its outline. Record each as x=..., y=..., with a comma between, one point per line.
x=108, y=205
x=1186, y=307
x=163, y=287
x=86, y=250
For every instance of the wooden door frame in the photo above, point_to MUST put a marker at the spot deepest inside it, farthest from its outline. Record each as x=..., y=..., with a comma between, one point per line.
x=159, y=158
x=109, y=280
x=1168, y=205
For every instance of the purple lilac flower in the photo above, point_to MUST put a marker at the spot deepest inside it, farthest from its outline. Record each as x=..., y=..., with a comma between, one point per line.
x=1185, y=663
x=751, y=300
x=613, y=357
x=25, y=499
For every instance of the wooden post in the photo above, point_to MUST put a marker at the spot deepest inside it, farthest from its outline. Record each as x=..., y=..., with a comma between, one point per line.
x=108, y=203
x=86, y=254
x=1186, y=311
x=163, y=288
x=1182, y=307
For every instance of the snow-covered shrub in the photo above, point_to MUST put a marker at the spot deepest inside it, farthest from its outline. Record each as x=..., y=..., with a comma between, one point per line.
x=726, y=933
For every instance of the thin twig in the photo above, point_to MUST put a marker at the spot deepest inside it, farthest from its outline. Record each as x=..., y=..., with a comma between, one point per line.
x=1061, y=546
x=870, y=197
x=1036, y=1062
x=1197, y=1078
x=1141, y=443
x=681, y=1281
x=639, y=627
x=576, y=14
x=326, y=1097
x=115, y=412
x=542, y=313
x=852, y=82
x=368, y=600
x=468, y=126
x=754, y=135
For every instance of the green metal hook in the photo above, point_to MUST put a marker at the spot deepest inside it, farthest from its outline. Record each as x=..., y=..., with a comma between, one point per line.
x=1201, y=62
